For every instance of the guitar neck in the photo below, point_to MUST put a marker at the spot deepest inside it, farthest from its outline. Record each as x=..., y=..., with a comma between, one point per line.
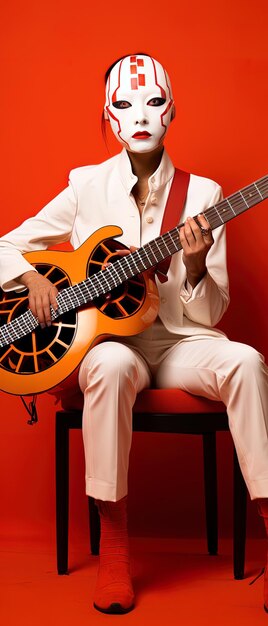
x=168, y=244
x=137, y=262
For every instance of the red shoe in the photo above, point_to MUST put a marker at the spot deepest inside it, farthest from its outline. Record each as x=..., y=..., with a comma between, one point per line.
x=114, y=591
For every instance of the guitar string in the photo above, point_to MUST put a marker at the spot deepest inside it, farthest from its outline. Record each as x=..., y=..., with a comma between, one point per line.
x=237, y=201
x=158, y=244
x=74, y=303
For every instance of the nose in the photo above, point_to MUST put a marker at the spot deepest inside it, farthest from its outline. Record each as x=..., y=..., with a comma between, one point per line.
x=140, y=115
x=141, y=120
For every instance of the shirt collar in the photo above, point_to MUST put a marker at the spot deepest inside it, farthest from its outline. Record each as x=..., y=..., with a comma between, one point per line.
x=160, y=177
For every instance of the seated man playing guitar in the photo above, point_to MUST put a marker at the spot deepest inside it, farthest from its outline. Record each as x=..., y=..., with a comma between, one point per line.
x=181, y=348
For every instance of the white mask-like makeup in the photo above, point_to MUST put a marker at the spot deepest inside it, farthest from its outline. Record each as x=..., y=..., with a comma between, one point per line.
x=139, y=102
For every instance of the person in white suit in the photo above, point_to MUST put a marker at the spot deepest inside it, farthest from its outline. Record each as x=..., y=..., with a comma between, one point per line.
x=182, y=348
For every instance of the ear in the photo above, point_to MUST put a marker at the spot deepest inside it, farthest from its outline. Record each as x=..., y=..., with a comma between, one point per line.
x=105, y=115
x=173, y=112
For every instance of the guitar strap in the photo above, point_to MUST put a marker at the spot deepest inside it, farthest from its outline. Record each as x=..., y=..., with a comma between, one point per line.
x=173, y=210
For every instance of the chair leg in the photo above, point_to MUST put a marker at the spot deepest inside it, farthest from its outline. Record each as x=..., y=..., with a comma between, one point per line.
x=211, y=497
x=94, y=524
x=240, y=515
x=62, y=493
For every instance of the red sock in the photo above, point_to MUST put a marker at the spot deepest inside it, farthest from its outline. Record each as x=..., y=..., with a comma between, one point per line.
x=114, y=592
x=263, y=511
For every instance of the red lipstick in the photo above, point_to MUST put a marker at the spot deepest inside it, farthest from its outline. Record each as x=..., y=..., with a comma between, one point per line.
x=141, y=135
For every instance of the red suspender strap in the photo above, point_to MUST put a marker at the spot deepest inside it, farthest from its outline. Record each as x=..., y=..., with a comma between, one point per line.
x=173, y=210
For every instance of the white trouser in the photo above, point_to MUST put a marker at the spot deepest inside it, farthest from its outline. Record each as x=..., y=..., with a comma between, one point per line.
x=112, y=374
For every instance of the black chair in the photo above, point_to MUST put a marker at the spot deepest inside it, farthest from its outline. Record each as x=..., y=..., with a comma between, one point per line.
x=162, y=411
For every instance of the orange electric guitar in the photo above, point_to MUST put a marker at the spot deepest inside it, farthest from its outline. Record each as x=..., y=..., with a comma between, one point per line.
x=94, y=301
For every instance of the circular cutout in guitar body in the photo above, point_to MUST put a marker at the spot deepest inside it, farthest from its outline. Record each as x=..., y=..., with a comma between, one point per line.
x=39, y=350
x=122, y=301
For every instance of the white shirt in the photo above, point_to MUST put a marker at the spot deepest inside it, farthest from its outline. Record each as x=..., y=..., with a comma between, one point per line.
x=100, y=195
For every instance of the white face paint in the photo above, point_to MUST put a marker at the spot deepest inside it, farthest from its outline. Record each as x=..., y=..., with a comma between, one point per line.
x=139, y=103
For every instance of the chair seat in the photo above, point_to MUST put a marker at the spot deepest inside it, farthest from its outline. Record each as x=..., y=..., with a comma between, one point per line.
x=174, y=401
x=156, y=401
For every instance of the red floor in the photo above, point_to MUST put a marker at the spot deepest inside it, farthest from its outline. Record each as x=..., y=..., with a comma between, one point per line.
x=176, y=583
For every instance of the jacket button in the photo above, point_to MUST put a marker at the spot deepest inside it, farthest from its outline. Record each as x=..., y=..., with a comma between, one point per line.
x=163, y=300
x=153, y=200
x=149, y=220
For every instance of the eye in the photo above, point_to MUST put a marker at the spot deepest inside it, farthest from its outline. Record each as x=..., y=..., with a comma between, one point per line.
x=156, y=102
x=121, y=104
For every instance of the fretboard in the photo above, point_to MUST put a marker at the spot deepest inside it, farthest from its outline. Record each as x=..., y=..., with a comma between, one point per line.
x=139, y=261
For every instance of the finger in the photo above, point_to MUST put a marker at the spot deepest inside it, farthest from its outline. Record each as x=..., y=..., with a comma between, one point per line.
x=195, y=228
x=53, y=298
x=183, y=239
x=203, y=221
x=189, y=232
x=46, y=308
x=205, y=229
x=32, y=305
x=123, y=252
x=39, y=311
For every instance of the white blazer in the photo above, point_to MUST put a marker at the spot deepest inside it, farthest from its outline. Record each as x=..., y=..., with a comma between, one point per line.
x=99, y=195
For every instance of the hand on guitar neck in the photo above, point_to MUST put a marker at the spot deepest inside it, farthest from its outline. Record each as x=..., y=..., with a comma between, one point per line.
x=42, y=295
x=196, y=242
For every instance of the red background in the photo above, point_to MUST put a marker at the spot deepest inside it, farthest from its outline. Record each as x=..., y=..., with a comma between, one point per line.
x=53, y=58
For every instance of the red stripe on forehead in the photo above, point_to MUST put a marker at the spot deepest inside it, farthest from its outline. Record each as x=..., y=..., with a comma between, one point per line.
x=163, y=93
x=139, y=80
x=114, y=98
x=134, y=83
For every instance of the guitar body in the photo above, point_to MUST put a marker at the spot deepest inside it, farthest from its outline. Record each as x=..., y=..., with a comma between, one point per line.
x=32, y=361
x=42, y=359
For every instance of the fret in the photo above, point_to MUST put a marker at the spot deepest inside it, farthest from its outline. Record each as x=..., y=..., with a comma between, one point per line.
x=156, y=243
x=212, y=216
x=78, y=286
x=139, y=255
x=172, y=243
x=113, y=268
x=110, y=270
x=86, y=289
x=215, y=207
x=133, y=257
x=255, y=184
x=144, y=252
x=105, y=278
x=229, y=203
x=174, y=235
x=73, y=297
x=126, y=261
x=165, y=245
x=120, y=265
x=150, y=246
x=94, y=288
x=97, y=278
x=252, y=197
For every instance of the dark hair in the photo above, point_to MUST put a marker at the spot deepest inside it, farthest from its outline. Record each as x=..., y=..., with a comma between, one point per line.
x=106, y=76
